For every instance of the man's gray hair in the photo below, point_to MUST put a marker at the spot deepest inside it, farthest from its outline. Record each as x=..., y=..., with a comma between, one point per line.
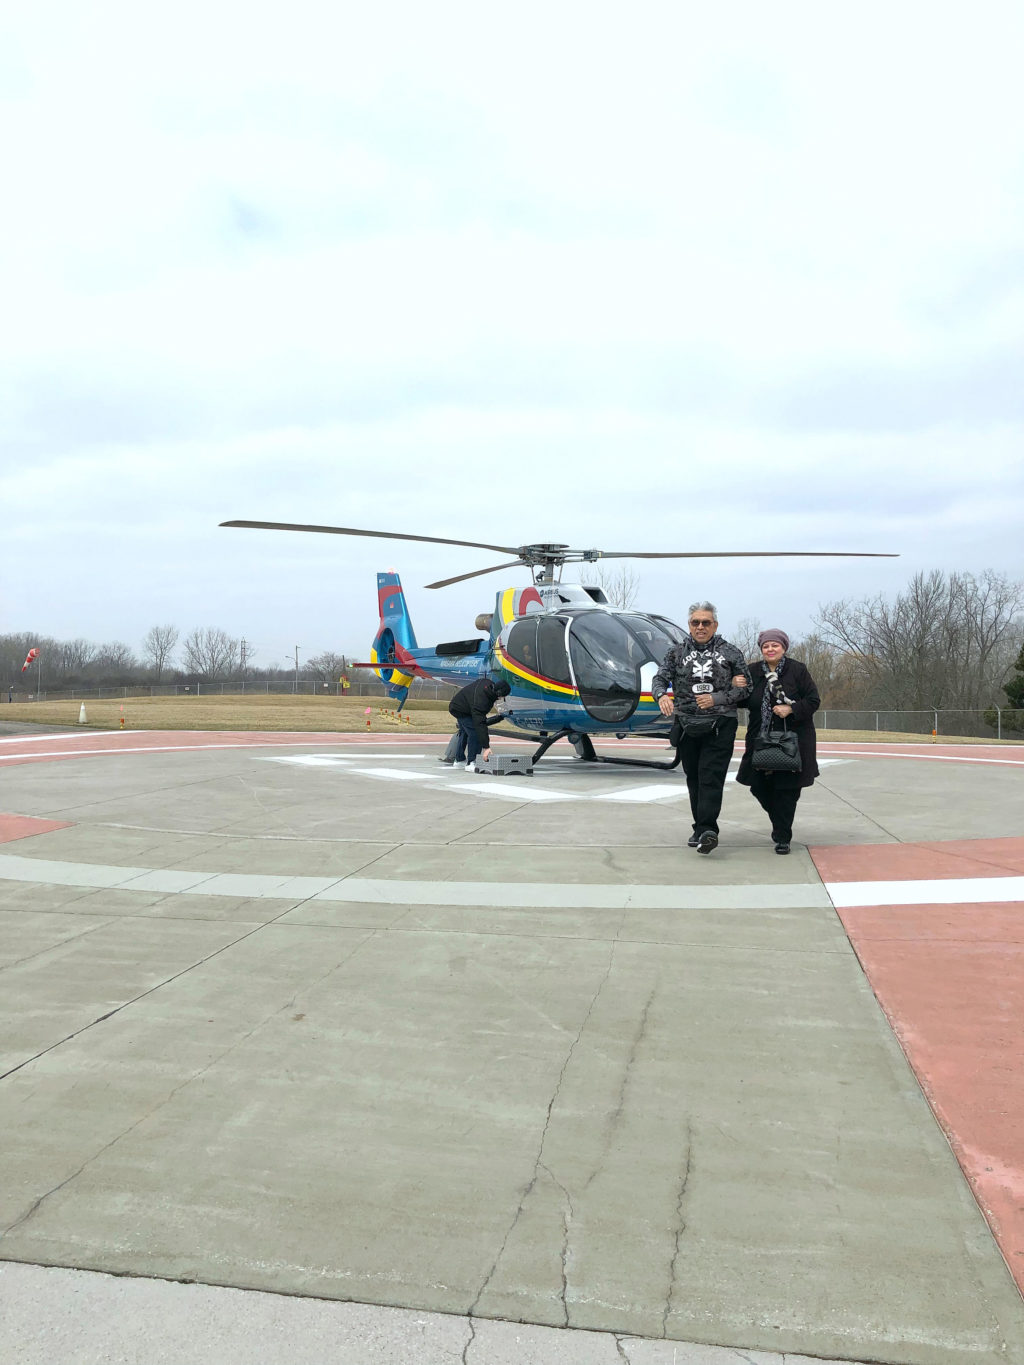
x=703, y=606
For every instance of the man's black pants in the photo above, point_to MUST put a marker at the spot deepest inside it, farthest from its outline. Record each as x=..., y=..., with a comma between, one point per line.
x=705, y=762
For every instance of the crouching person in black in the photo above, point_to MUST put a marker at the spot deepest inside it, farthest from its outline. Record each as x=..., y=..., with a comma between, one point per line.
x=470, y=706
x=709, y=678
x=783, y=694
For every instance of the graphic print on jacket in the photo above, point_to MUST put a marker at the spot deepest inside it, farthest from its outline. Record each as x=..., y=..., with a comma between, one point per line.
x=690, y=671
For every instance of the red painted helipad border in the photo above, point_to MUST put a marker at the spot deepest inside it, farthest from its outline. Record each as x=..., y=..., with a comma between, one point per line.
x=950, y=979
x=24, y=826
x=920, y=862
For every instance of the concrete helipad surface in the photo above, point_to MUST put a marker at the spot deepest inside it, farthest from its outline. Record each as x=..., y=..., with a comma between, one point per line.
x=492, y=1069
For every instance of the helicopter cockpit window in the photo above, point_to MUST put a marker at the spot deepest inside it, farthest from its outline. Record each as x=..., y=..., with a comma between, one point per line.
x=606, y=661
x=522, y=644
x=553, y=662
x=677, y=634
x=651, y=634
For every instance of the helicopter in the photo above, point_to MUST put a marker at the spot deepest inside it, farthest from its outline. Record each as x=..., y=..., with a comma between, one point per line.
x=577, y=666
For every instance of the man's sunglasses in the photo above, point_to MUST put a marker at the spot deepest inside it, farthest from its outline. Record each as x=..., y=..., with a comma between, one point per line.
x=701, y=623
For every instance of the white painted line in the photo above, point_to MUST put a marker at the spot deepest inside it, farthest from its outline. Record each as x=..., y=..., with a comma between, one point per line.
x=251, y=885
x=797, y=895
x=116, y=753
x=165, y=879
x=55, y=739
x=507, y=789
x=394, y=773
x=336, y=759
x=662, y=792
x=936, y=758
x=533, y=895
x=306, y=760
x=948, y=891
x=16, y=869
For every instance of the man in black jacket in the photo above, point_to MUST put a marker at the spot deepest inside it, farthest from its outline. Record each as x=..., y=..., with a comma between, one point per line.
x=709, y=678
x=470, y=706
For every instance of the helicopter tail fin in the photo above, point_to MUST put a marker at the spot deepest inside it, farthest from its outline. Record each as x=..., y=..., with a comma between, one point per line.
x=395, y=638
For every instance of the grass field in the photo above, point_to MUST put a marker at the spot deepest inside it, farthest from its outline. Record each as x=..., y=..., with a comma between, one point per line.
x=241, y=712
x=311, y=715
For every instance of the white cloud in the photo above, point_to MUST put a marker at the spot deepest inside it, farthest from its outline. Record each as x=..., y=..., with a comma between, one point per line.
x=667, y=280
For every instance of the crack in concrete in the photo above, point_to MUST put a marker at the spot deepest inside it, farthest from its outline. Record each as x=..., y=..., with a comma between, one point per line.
x=178, y=1088
x=680, y=1229
x=55, y=947
x=616, y=1113
x=189, y=1080
x=620, y=1348
x=537, y=1165
x=857, y=811
x=567, y=1217
x=469, y=1343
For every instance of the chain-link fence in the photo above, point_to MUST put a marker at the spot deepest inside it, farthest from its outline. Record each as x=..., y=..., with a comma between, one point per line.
x=991, y=723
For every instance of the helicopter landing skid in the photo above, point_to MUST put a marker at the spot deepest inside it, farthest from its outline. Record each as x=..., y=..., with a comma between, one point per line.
x=585, y=750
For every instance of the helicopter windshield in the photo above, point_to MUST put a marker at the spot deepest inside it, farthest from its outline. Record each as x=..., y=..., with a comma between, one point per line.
x=606, y=660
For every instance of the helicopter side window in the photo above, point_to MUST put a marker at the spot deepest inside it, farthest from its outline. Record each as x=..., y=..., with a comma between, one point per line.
x=553, y=660
x=675, y=633
x=607, y=679
x=651, y=635
x=522, y=644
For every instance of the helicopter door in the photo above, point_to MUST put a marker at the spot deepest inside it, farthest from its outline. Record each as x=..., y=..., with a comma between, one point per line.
x=606, y=660
x=553, y=661
x=521, y=644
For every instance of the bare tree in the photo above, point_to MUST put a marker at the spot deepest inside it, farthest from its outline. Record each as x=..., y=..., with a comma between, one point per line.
x=744, y=636
x=71, y=657
x=114, y=661
x=620, y=585
x=158, y=648
x=327, y=667
x=946, y=640
x=211, y=654
x=981, y=633
x=839, y=676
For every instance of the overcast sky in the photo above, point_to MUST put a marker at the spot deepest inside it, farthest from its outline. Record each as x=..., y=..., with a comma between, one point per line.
x=646, y=277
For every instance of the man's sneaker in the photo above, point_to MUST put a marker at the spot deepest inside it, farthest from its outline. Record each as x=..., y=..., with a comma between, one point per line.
x=693, y=841
x=707, y=841
x=450, y=761
x=471, y=767
x=781, y=848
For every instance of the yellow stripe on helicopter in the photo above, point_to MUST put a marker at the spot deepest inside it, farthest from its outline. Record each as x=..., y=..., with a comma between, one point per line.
x=510, y=666
x=397, y=676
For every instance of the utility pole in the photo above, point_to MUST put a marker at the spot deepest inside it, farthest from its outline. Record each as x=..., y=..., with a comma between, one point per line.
x=244, y=647
x=295, y=687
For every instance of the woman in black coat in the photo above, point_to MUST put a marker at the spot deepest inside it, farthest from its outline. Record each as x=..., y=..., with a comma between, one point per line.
x=782, y=689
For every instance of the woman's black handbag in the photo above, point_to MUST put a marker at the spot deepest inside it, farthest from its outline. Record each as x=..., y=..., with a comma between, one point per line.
x=776, y=752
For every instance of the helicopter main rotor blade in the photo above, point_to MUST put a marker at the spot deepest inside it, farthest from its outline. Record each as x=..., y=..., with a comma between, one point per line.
x=748, y=554
x=380, y=535
x=459, y=578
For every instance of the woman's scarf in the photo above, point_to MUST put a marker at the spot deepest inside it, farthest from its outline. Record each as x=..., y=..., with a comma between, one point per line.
x=772, y=695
